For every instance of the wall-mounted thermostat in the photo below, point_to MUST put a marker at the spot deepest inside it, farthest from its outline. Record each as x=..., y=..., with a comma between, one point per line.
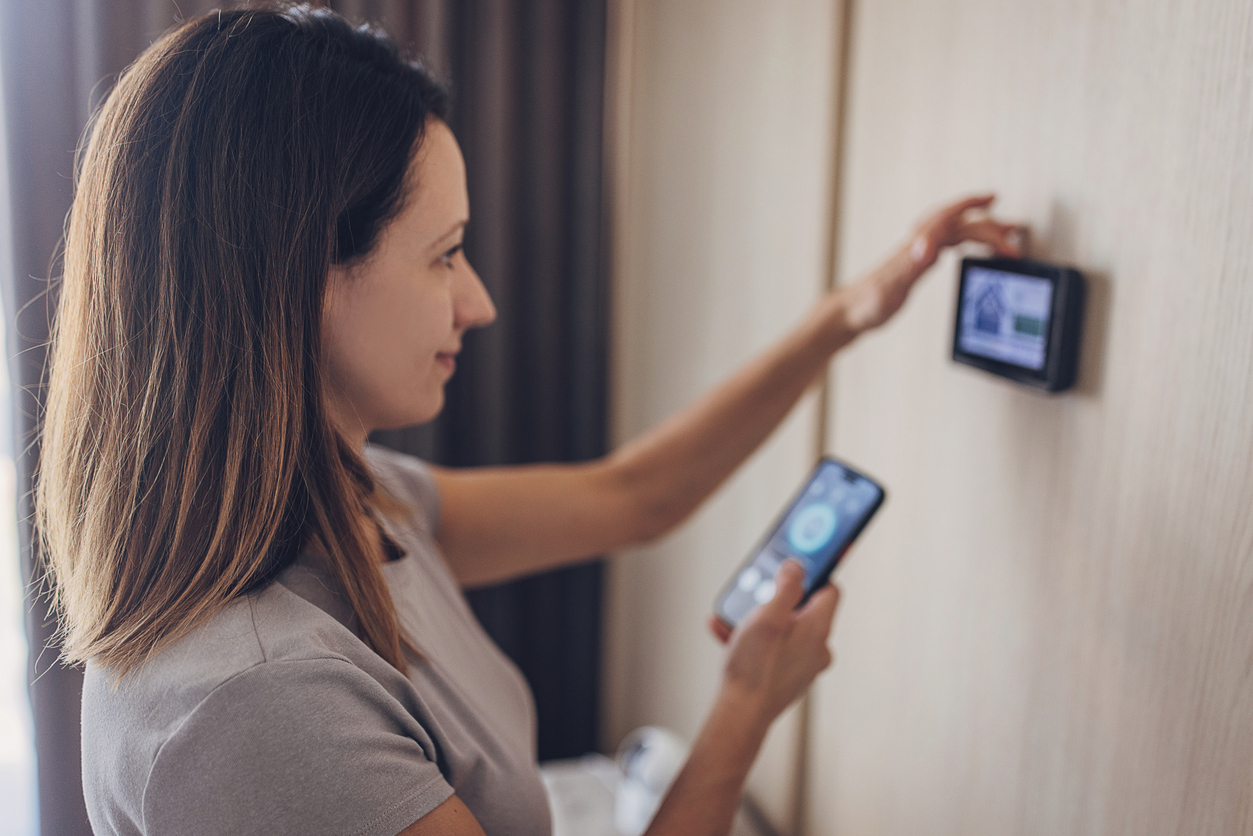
x=1021, y=320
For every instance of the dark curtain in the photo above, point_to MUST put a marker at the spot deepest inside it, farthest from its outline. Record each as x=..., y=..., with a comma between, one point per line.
x=528, y=82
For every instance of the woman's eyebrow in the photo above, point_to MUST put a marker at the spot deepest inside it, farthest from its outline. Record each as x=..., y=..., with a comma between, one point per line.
x=457, y=227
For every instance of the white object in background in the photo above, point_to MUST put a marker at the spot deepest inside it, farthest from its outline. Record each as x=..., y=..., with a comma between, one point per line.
x=581, y=794
x=650, y=758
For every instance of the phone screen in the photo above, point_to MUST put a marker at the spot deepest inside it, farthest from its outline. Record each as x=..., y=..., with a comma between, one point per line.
x=825, y=517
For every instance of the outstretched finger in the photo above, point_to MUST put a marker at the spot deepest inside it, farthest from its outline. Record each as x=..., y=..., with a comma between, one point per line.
x=978, y=201
x=1002, y=237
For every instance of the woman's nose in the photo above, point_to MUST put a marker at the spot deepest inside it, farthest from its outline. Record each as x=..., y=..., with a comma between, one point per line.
x=474, y=307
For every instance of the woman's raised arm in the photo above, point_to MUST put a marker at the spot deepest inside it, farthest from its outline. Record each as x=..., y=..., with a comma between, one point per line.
x=499, y=523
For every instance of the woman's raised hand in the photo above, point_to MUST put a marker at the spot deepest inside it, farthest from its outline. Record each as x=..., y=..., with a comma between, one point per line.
x=872, y=301
x=778, y=650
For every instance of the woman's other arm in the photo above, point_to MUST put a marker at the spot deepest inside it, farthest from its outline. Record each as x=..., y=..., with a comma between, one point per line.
x=498, y=523
x=452, y=818
x=773, y=657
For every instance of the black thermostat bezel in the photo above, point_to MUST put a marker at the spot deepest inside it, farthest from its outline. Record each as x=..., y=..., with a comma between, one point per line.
x=1061, y=351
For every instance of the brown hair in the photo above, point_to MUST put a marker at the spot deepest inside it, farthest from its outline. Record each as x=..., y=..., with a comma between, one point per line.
x=187, y=453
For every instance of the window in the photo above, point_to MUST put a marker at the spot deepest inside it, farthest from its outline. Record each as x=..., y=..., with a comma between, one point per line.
x=17, y=755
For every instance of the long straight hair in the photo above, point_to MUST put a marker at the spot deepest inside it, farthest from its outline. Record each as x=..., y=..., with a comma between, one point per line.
x=188, y=455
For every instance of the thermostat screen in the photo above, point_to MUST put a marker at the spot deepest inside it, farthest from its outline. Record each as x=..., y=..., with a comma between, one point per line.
x=1005, y=317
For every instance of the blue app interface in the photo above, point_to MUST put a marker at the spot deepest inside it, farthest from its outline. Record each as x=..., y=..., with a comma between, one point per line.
x=819, y=524
x=1005, y=316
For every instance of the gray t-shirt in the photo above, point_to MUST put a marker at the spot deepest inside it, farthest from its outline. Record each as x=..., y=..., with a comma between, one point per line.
x=273, y=717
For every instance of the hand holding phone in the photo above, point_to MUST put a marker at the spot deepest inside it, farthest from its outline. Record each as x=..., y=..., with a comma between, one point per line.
x=775, y=653
x=816, y=528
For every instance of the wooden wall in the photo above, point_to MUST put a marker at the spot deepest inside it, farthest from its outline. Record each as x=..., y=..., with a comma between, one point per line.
x=1049, y=630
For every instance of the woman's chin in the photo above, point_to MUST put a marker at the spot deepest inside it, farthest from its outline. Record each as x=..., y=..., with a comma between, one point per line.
x=416, y=415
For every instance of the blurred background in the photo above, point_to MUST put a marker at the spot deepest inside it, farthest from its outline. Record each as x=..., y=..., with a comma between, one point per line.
x=1049, y=628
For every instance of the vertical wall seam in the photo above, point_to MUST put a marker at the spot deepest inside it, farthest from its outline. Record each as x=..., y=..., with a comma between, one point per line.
x=619, y=98
x=618, y=109
x=840, y=63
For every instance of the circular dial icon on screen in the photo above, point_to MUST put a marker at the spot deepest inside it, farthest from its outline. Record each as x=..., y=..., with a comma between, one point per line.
x=750, y=578
x=812, y=528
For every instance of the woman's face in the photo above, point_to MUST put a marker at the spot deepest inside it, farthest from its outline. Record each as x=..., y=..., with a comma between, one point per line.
x=392, y=325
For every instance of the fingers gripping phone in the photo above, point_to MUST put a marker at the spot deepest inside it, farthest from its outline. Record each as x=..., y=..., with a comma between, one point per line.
x=816, y=528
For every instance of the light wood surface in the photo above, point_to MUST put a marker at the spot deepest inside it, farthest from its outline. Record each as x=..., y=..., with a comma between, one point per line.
x=721, y=143
x=1049, y=629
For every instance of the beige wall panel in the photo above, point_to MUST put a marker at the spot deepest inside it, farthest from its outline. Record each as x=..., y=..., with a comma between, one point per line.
x=721, y=239
x=1049, y=629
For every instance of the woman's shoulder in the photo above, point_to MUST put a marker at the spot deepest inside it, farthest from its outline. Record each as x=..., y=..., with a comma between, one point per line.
x=268, y=625
x=264, y=673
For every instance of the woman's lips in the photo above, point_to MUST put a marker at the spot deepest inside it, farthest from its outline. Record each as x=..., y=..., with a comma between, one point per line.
x=448, y=361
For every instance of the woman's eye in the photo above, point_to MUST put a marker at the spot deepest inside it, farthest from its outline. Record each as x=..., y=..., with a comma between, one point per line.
x=446, y=258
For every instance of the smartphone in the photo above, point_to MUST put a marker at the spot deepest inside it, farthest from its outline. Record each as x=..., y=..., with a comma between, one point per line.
x=816, y=528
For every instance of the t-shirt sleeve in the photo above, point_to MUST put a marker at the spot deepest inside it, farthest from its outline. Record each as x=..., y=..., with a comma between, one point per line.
x=302, y=747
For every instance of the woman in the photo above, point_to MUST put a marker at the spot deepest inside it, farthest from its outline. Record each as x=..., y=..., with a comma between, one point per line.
x=263, y=265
